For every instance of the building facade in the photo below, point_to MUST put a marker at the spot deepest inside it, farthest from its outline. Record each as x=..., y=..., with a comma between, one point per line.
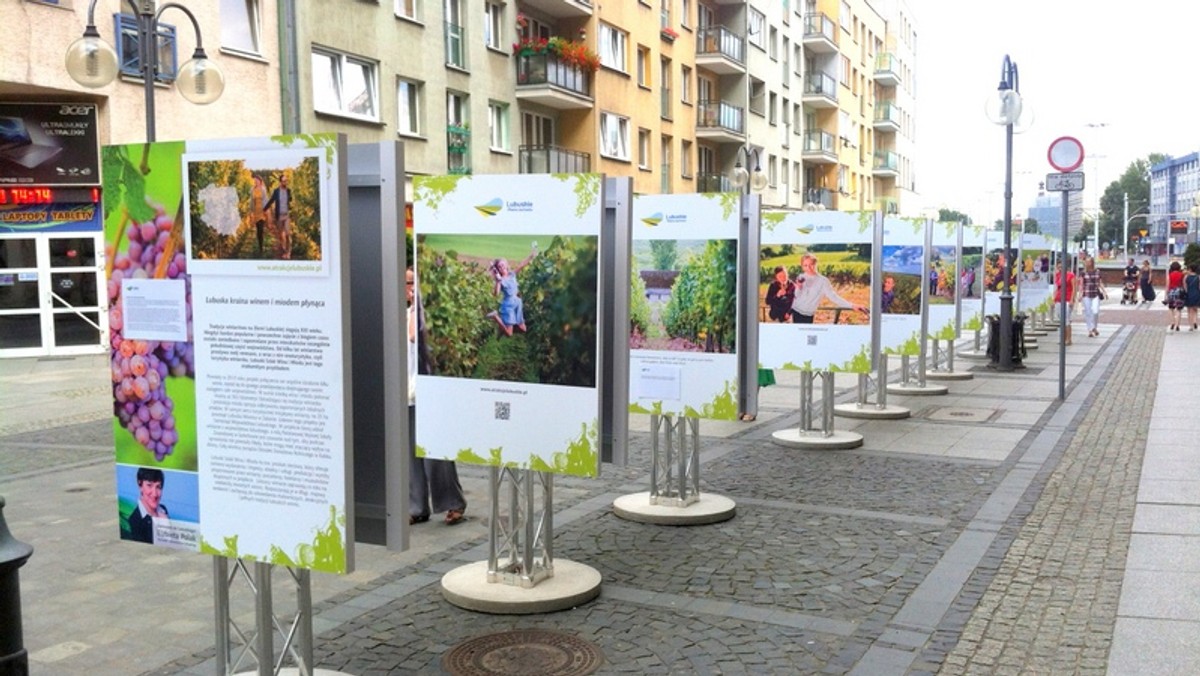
x=1174, y=192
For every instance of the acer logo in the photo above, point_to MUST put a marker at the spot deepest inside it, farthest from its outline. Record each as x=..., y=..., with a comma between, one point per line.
x=74, y=110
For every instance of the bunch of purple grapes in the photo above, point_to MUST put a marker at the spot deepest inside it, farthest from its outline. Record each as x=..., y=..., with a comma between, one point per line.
x=139, y=367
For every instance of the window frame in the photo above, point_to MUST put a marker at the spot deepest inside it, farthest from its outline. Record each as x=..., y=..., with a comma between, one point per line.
x=493, y=24
x=413, y=105
x=498, y=112
x=685, y=84
x=400, y=10
x=253, y=18
x=643, y=149
x=165, y=37
x=340, y=60
x=620, y=134
x=756, y=17
x=619, y=50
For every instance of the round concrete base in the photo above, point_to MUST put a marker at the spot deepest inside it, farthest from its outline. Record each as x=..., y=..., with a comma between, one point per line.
x=871, y=412
x=708, y=509
x=573, y=584
x=972, y=354
x=296, y=672
x=1035, y=332
x=915, y=390
x=817, y=441
x=948, y=375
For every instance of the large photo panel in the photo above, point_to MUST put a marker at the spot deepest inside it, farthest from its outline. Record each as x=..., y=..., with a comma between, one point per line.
x=507, y=269
x=814, y=291
x=972, y=261
x=683, y=306
x=906, y=278
x=950, y=283
x=1035, y=277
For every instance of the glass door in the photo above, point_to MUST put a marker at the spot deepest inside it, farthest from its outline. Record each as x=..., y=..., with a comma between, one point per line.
x=53, y=297
x=20, y=300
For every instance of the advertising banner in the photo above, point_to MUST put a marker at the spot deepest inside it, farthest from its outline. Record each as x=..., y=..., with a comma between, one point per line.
x=907, y=276
x=683, y=306
x=814, y=291
x=951, y=282
x=508, y=271
x=32, y=218
x=971, y=259
x=1035, y=278
x=49, y=144
x=228, y=324
x=993, y=258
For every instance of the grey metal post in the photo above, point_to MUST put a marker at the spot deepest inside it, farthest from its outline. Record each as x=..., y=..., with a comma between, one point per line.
x=1063, y=311
x=221, y=612
x=655, y=428
x=694, y=462
x=264, y=619
x=493, y=530
x=863, y=384
x=806, y=400
x=881, y=384
x=616, y=247
x=827, y=403
x=304, y=629
x=750, y=210
x=926, y=300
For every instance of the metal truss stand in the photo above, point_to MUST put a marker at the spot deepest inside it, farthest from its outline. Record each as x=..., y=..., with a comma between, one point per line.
x=943, y=369
x=675, y=498
x=880, y=409
x=976, y=351
x=917, y=387
x=825, y=437
x=521, y=575
x=257, y=645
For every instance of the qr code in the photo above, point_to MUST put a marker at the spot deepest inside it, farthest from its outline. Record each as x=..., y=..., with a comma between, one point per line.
x=812, y=339
x=503, y=410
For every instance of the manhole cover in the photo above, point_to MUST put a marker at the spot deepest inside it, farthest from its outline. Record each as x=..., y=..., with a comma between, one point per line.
x=961, y=414
x=523, y=652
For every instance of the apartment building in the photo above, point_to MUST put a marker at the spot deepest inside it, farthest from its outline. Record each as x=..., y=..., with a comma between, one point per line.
x=1174, y=193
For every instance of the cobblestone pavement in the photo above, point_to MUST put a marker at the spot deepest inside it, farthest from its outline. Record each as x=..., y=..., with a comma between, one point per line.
x=1051, y=606
x=990, y=546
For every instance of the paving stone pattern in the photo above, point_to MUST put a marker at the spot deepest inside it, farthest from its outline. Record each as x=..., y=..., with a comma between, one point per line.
x=1051, y=606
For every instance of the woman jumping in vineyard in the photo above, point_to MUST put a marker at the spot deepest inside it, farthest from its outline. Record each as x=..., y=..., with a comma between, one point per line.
x=512, y=310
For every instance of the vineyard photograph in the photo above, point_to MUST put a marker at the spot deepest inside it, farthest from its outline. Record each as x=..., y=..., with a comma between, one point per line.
x=972, y=261
x=261, y=213
x=517, y=308
x=904, y=273
x=845, y=266
x=992, y=263
x=948, y=282
x=684, y=295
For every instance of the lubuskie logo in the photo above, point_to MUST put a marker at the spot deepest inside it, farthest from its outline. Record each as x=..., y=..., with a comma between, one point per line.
x=491, y=208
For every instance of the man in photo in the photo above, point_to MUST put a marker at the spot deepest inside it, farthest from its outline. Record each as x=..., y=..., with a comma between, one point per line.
x=149, y=506
x=811, y=288
x=888, y=295
x=280, y=201
x=780, y=294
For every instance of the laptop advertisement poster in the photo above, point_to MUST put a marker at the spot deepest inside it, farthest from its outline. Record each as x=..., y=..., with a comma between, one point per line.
x=49, y=144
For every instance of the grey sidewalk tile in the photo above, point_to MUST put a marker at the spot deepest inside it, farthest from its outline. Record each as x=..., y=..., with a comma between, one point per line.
x=1167, y=519
x=1165, y=595
x=1170, y=464
x=880, y=660
x=1178, y=553
x=1182, y=490
x=1149, y=647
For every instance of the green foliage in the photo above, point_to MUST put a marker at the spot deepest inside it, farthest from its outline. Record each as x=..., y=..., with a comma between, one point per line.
x=702, y=305
x=1191, y=256
x=456, y=296
x=951, y=215
x=433, y=189
x=639, y=307
x=587, y=190
x=908, y=295
x=771, y=219
x=559, y=287
x=665, y=253
x=124, y=184
x=506, y=358
x=722, y=407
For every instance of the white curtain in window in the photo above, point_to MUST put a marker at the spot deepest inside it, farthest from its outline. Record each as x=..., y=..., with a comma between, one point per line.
x=612, y=52
x=409, y=107
x=325, y=88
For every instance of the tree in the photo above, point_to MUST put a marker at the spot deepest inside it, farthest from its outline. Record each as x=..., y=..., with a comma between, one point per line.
x=664, y=254
x=951, y=216
x=1134, y=183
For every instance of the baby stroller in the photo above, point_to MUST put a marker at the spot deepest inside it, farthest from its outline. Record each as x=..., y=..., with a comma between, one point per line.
x=1129, y=292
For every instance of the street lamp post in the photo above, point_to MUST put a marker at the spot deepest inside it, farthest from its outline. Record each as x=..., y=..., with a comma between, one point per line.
x=92, y=62
x=1005, y=109
x=741, y=177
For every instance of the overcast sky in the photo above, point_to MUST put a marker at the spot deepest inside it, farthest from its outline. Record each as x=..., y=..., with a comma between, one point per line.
x=1133, y=68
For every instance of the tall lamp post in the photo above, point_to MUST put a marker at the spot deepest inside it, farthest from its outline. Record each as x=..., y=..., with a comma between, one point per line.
x=1005, y=109
x=741, y=177
x=92, y=62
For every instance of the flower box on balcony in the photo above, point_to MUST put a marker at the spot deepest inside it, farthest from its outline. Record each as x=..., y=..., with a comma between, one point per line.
x=669, y=34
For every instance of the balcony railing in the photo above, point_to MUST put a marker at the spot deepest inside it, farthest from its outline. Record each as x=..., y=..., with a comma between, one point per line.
x=537, y=69
x=550, y=159
x=819, y=84
x=713, y=183
x=885, y=160
x=665, y=97
x=887, y=113
x=821, y=196
x=710, y=114
x=816, y=141
x=819, y=26
x=458, y=149
x=456, y=46
x=887, y=68
x=719, y=40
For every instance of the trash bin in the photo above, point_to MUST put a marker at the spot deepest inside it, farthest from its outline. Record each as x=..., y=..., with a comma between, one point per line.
x=1018, y=338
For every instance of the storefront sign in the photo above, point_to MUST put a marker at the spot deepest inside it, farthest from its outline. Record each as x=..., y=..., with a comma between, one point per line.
x=49, y=144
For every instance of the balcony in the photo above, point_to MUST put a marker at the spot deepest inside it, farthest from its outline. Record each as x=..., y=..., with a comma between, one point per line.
x=887, y=69
x=720, y=122
x=546, y=79
x=720, y=50
x=456, y=46
x=560, y=9
x=820, y=147
x=819, y=197
x=552, y=160
x=820, y=90
x=713, y=183
x=820, y=34
x=887, y=117
x=458, y=149
x=886, y=164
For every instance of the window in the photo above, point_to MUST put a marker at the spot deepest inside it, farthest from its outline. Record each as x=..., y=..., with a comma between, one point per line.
x=685, y=84
x=771, y=107
x=665, y=21
x=773, y=44
x=537, y=130
x=240, y=25
x=493, y=20
x=408, y=97
x=757, y=29
x=612, y=47
x=685, y=13
x=644, y=149
x=846, y=18
x=498, y=126
x=614, y=136
x=643, y=66
x=456, y=46
x=344, y=84
x=772, y=172
x=407, y=8
x=844, y=76
x=685, y=159
x=458, y=133
x=129, y=55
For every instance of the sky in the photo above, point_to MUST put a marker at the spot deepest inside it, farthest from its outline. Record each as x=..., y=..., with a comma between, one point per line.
x=1123, y=79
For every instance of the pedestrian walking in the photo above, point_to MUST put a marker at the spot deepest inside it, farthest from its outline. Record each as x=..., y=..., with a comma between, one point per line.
x=1174, y=299
x=1065, y=289
x=1147, y=285
x=1191, y=295
x=1091, y=289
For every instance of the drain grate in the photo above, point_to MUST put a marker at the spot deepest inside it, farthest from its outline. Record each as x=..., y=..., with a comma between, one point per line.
x=961, y=414
x=522, y=652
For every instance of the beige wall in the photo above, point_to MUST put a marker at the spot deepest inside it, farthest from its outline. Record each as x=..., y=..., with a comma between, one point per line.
x=36, y=38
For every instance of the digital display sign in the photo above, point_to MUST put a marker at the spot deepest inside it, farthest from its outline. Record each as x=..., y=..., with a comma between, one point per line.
x=26, y=195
